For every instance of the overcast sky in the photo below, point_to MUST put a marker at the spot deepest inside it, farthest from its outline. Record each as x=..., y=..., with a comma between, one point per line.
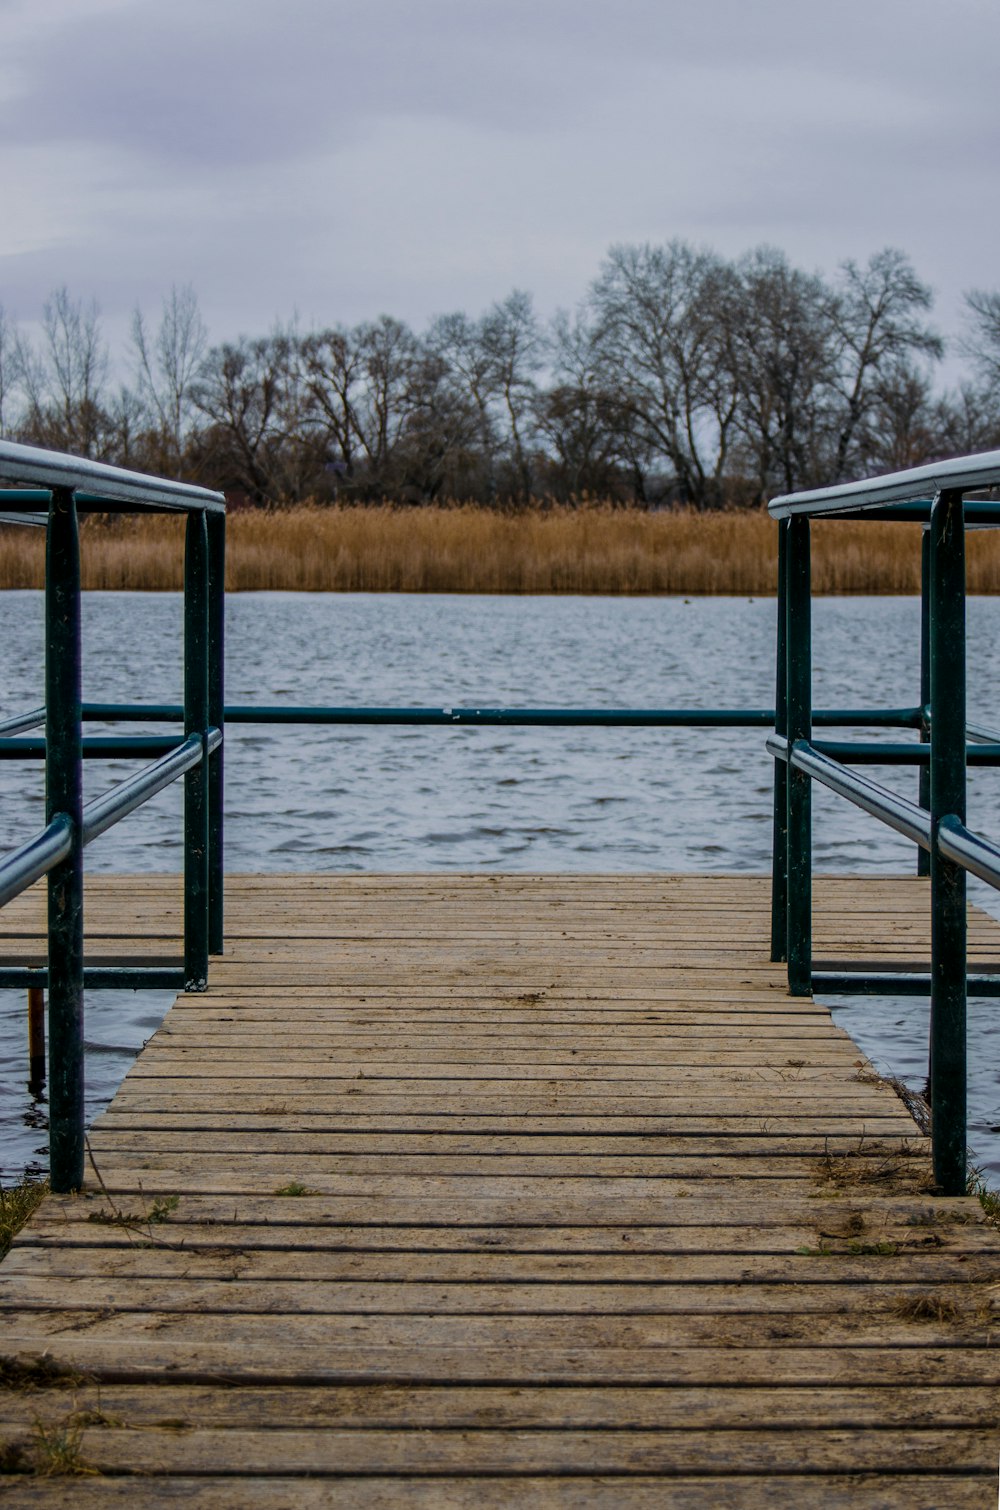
x=337, y=159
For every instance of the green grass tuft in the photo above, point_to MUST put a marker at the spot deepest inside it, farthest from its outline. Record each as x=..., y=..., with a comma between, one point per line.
x=16, y=1205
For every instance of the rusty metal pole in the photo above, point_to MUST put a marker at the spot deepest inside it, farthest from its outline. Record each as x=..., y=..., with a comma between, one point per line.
x=36, y=1040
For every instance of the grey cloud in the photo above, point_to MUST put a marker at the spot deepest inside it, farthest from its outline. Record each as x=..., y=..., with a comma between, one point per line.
x=244, y=81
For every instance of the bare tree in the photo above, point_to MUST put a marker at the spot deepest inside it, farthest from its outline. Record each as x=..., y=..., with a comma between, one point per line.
x=784, y=348
x=363, y=388
x=9, y=374
x=511, y=342
x=167, y=365
x=243, y=390
x=580, y=413
x=877, y=316
x=456, y=341
x=981, y=338
x=65, y=380
x=658, y=312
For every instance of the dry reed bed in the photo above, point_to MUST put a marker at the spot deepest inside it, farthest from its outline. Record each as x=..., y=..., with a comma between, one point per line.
x=462, y=548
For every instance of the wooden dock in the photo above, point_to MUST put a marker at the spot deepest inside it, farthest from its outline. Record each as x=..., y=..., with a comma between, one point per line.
x=493, y=1191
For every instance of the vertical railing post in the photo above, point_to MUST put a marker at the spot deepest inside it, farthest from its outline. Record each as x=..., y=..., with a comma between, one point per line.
x=924, y=781
x=196, y=704
x=779, y=822
x=947, y=796
x=64, y=794
x=798, y=631
x=216, y=524
x=36, y=1041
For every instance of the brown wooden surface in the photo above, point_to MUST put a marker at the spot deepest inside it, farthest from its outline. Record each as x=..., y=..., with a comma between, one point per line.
x=504, y=1190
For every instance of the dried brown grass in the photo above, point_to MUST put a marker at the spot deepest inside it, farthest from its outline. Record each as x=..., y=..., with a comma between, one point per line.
x=464, y=548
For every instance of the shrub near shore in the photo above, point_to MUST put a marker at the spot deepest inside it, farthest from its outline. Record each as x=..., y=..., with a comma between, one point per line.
x=466, y=548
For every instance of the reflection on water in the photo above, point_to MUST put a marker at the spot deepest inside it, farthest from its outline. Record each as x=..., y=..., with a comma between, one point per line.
x=374, y=799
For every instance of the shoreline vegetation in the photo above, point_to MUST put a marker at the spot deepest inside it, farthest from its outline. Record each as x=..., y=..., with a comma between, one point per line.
x=592, y=548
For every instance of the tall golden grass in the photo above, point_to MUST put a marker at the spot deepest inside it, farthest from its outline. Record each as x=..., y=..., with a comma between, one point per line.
x=464, y=548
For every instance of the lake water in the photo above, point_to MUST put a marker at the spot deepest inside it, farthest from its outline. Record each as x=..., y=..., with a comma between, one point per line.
x=374, y=799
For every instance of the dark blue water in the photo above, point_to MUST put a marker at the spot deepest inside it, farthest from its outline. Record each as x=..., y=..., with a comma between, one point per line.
x=506, y=799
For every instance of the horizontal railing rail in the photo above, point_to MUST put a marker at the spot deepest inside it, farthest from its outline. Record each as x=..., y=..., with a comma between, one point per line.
x=18, y=723
x=934, y=495
x=916, y=488
x=749, y=718
x=95, y=485
x=33, y=859
x=105, y=811
x=906, y=817
x=971, y=851
x=46, y=488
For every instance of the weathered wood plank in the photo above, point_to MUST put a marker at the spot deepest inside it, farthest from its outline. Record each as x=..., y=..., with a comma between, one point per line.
x=507, y=1190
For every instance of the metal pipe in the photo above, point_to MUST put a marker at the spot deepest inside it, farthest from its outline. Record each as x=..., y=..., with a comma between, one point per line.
x=99, y=483
x=35, y=858
x=969, y=850
x=64, y=797
x=196, y=696
x=869, y=753
x=653, y=718
x=20, y=722
x=105, y=811
x=216, y=717
x=898, y=812
x=36, y=1041
x=860, y=983
x=978, y=734
x=798, y=659
x=99, y=977
x=924, y=778
x=947, y=798
x=779, y=814
x=94, y=746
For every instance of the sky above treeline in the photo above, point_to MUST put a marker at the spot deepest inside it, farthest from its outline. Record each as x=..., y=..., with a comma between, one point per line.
x=338, y=159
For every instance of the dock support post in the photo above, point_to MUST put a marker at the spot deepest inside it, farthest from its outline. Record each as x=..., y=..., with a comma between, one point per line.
x=947, y=796
x=36, y=1041
x=798, y=646
x=216, y=525
x=196, y=703
x=779, y=821
x=64, y=794
x=924, y=783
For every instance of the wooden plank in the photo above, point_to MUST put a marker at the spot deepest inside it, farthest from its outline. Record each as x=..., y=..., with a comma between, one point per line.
x=806, y=1491
x=471, y=1407
x=504, y=1190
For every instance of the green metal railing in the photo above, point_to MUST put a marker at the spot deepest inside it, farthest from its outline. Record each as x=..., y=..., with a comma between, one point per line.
x=59, y=488
x=52, y=491
x=935, y=497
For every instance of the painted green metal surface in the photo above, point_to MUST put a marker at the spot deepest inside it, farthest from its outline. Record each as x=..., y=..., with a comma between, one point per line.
x=948, y=889
x=196, y=696
x=798, y=661
x=70, y=486
x=64, y=799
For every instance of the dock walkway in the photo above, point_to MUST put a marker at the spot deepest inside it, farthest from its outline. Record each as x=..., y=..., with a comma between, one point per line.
x=503, y=1191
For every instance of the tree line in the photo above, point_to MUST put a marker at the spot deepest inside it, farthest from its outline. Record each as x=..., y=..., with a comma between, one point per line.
x=682, y=378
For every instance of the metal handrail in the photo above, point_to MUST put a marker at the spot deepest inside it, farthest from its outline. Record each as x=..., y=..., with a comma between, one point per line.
x=915, y=485
x=971, y=851
x=110, y=808
x=906, y=817
x=63, y=486
x=95, y=483
x=948, y=744
x=19, y=722
x=749, y=718
x=35, y=858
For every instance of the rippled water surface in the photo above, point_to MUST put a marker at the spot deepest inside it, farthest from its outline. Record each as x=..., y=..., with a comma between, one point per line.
x=507, y=799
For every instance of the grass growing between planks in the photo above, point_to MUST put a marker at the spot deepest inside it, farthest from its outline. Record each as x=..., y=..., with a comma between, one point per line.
x=461, y=548
x=16, y=1205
